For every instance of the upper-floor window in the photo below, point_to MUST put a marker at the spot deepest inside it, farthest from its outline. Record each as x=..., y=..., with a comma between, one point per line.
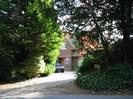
x=63, y=45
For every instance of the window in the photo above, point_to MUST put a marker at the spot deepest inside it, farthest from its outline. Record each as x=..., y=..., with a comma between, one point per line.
x=67, y=61
x=63, y=46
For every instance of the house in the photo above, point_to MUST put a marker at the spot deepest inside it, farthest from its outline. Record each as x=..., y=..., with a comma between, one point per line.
x=69, y=56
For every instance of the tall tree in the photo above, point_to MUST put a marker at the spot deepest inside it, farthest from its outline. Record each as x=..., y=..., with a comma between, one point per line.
x=97, y=19
x=126, y=23
x=28, y=30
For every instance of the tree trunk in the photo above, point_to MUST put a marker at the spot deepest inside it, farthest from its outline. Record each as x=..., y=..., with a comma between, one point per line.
x=125, y=8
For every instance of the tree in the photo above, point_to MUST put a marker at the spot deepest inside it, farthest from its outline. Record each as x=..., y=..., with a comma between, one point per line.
x=100, y=19
x=126, y=24
x=28, y=31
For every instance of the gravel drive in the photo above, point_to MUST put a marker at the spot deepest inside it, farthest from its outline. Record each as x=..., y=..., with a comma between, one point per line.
x=55, y=84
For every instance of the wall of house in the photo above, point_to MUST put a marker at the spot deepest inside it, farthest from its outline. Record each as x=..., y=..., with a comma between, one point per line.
x=68, y=55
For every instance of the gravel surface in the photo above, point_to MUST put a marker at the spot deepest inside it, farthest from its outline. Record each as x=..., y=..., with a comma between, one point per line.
x=56, y=84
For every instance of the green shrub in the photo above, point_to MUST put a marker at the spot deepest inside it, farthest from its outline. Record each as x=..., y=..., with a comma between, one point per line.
x=27, y=69
x=88, y=64
x=6, y=65
x=114, y=78
x=49, y=69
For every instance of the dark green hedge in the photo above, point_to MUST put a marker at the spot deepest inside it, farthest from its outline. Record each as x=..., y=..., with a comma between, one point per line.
x=114, y=78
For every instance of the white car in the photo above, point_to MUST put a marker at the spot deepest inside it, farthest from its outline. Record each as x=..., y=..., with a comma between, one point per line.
x=59, y=68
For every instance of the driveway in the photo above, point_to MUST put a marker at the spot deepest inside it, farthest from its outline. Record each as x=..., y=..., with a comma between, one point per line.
x=55, y=84
x=67, y=76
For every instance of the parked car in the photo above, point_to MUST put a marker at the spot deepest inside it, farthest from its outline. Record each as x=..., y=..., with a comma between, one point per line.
x=59, y=68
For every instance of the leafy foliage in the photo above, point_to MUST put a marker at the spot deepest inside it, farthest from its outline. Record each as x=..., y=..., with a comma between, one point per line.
x=49, y=69
x=100, y=21
x=28, y=30
x=114, y=78
x=91, y=18
x=88, y=64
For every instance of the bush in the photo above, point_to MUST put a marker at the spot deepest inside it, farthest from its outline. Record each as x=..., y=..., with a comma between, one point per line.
x=114, y=78
x=27, y=69
x=6, y=66
x=49, y=69
x=89, y=64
